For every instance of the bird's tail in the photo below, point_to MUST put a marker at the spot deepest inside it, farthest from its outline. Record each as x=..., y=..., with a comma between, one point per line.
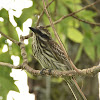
x=75, y=89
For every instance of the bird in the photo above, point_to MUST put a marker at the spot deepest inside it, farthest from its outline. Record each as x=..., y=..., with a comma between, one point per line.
x=51, y=56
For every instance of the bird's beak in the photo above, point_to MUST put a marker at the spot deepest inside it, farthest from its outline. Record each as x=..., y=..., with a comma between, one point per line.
x=33, y=29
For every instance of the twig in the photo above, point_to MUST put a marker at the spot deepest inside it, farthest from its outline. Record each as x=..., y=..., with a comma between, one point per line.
x=10, y=65
x=24, y=56
x=73, y=13
x=43, y=13
x=14, y=41
x=97, y=24
x=23, y=52
x=28, y=36
x=88, y=2
x=56, y=34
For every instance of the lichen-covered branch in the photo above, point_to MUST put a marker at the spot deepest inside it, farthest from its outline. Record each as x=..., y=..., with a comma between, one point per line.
x=57, y=73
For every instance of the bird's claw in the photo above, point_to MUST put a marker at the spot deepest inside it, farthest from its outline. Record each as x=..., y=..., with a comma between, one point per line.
x=41, y=72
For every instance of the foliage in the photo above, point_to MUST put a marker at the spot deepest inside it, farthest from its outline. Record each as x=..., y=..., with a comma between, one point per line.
x=6, y=82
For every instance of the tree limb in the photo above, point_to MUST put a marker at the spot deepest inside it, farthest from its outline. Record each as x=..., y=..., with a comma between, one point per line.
x=57, y=73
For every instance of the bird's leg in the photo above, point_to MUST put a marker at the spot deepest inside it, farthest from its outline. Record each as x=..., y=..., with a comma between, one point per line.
x=50, y=70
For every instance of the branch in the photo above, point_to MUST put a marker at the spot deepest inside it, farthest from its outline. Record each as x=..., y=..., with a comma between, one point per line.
x=43, y=13
x=73, y=13
x=14, y=41
x=97, y=24
x=57, y=73
x=88, y=2
x=23, y=52
x=10, y=65
x=28, y=36
x=56, y=34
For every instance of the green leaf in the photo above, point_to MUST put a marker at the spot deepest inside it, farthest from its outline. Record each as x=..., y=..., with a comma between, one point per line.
x=73, y=23
x=51, y=7
x=26, y=13
x=79, y=53
x=75, y=35
x=86, y=29
x=15, y=50
x=73, y=5
x=61, y=10
x=45, y=19
x=6, y=82
x=2, y=43
x=89, y=48
x=97, y=29
x=11, y=31
x=97, y=39
x=6, y=26
x=4, y=14
x=87, y=15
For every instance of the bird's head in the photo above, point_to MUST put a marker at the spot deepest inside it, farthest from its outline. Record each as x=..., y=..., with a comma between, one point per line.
x=41, y=32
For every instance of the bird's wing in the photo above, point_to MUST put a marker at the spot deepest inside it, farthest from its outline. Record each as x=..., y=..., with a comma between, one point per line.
x=58, y=52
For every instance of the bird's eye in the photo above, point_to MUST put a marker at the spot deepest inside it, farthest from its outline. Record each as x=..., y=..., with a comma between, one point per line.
x=42, y=35
x=45, y=36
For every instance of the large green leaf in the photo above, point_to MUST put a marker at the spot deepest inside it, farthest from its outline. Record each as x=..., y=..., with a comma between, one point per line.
x=87, y=30
x=97, y=39
x=7, y=28
x=26, y=13
x=6, y=82
x=89, y=48
x=15, y=50
x=87, y=15
x=75, y=35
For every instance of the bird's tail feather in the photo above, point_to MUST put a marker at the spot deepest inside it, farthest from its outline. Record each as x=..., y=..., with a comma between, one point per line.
x=75, y=89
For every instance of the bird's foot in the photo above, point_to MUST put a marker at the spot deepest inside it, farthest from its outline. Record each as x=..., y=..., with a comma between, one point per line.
x=41, y=72
x=50, y=70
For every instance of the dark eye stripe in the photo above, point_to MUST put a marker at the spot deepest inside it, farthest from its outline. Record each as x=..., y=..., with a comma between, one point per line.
x=45, y=36
x=42, y=35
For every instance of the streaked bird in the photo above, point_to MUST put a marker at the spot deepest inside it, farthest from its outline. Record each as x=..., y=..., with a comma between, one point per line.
x=51, y=56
